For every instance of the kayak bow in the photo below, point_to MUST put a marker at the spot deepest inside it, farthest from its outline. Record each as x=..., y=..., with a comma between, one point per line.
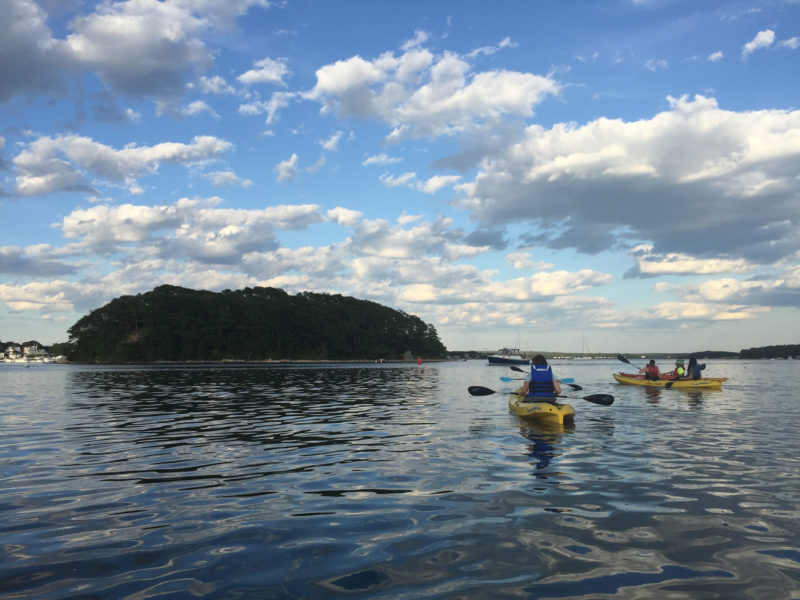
x=545, y=412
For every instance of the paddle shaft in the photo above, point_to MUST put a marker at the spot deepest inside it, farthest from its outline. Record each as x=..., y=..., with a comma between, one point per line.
x=602, y=399
x=565, y=380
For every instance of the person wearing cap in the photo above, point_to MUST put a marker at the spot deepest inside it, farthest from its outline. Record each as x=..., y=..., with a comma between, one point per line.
x=679, y=371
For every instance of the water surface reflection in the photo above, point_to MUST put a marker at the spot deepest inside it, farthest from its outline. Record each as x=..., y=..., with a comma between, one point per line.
x=389, y=481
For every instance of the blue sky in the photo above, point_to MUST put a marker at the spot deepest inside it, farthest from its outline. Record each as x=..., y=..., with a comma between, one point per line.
x=624, y=174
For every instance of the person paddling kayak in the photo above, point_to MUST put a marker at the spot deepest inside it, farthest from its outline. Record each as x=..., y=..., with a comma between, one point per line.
x=651, y=372
x=540, y=385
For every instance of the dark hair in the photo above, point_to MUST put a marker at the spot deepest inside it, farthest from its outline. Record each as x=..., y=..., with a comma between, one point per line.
x=652, y=362
x=692, y=361
x=540, y=360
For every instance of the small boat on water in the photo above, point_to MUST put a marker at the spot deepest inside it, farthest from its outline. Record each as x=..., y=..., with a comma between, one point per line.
x=542, y=412
x=666, y=377
x=508, y=356
x=679, y=383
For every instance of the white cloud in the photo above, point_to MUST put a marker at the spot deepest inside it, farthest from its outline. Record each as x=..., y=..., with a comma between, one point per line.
x=763, y=39
x=587, y=187
x=344, y=216
x=698, y=311
x=332, y=142
x=792, y=43
x=214, y=85
x=287, y=169
x=675, y=263
x=191, y=229
x=437, y=182
x=523, y=261
x=381, y=159
x=198, y=107
x=51, y=164
x=489, y=50
x=421, y=95
x=715, y=56
x=656, y=64
x=277, y=102
x=228, y=178
x=392, y=181
x=266, y=70
x=420, y=37
x=137, y=48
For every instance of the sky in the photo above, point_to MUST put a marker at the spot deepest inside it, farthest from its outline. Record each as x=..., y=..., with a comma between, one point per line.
x=573, y=176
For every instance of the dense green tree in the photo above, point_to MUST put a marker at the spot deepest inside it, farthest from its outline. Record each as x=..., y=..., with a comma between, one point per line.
x=784, y=351
x=172, y=323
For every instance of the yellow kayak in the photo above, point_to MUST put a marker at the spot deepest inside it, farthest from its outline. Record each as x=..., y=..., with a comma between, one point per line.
x=545, y=412
x=679, y=383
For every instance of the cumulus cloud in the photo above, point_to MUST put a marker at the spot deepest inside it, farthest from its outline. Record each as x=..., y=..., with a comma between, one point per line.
x=381, y=159
x=653, y=264
x=35, y=261
x=272, y=107
x=763, y=39
x=228, y=178
x=31, y=60
x=437, y=182
x=266, y=70
x=715, y=56
x=136, y=48
x=287, y=169
x=419, y=94
x=655, y=64
x=62, y=163
x=608, y=183
x=332, y=143
x=214, y=85
x=192, y=229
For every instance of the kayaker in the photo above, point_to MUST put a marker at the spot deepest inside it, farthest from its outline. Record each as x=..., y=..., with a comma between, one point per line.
x=692, y=370
x=540, y=385
x=651, y=371
x=679, y=371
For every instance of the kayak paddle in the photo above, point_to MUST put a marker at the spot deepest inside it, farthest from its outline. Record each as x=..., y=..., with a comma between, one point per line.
x=625, y=360
x=602, y=399
x=568, y=381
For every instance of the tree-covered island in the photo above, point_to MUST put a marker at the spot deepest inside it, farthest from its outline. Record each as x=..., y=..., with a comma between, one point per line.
x=178, y=324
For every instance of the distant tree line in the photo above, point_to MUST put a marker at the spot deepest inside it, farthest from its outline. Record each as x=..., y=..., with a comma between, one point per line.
x=784, y=351
x=173, y=323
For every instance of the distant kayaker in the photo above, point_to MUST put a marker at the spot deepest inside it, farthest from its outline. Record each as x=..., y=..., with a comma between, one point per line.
x=651, y=371
x=540, y=385
x=692, y=370
x=679, y=371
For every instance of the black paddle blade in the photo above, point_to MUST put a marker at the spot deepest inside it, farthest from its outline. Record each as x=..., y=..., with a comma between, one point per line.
x=669, y=384
x=574, y=386
x=479, y=390
x=518, y=369
x=603, y=399
x=623, y=359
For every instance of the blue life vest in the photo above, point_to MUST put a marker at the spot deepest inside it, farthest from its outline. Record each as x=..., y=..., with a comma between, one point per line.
x=541, y=383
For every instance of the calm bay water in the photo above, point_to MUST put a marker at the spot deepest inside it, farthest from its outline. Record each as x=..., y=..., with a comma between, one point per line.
x=391, y=481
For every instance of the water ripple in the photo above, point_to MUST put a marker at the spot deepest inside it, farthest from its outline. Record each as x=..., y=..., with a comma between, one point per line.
x=389, y=481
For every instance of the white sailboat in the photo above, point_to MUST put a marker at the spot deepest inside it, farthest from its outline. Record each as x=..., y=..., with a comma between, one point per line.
x=584, y=350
